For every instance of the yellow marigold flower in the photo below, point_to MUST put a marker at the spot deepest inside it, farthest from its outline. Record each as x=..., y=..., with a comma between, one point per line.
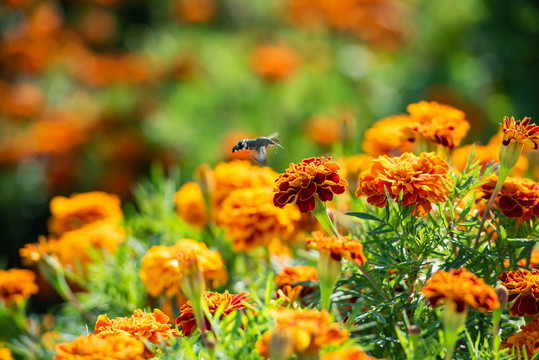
x=120, y=346
x=17, y=285
x=385, y=137
x=338, y=247
x=5, y=354
x=239, y=174
x=82, y=209
x=352, y=353
x=518, y=197
x=438, y=123
x=307, y=331
x=461, y=287
x=214, y=300
x=161, y=271
x=523, y=287
x=420, y=178
x=153, y=327
x=274, y=62
x=528, y=337
x=190, y=205
x=251, y=219
x=520, y=131
x=302, y=182
x=287, y=282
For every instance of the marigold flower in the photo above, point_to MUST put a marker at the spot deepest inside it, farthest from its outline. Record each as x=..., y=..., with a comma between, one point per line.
x=518, y=197
x=308, y=331
x=287, y=282
x=214, y=301
x=528, y=337
x=5, y=354
x=419, y=178
x=302, y=182
x=325, y=131
x=437, y=123
x=461, y=287
x=519, y=131
x=338, y=247
x=153, y=327
x=274, y=62
x=194, y=11
x=20, y=100
x=352, y=353
x=385, y=137
x=251, y=219
x=17, y=285
x=523, y=287
x=190, y=205
x=82, y=209
x=161, y=271
x=119, y=346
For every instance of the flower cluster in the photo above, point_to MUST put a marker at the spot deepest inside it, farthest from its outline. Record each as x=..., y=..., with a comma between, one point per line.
x=16, y=285
x=523, y=287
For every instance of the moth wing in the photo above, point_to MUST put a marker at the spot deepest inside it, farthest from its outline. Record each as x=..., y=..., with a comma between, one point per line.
x=259, y=155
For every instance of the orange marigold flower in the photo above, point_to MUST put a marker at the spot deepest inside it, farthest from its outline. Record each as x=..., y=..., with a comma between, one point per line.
x=238, y=174
x=161, y=271
x=214, y=301
x=325, y=131
x=518, y=198
x=307, y=331
x=461, y=287
x=17, y=285
x=5, y=354
x=352, y=353
x=338, y=247
x=420, y=178
x=274, y=62
x=287, y=282
x=194, y=11
x=251, y=219
x=520, y=131
x=438, y=123
x=190, y=204
x=153, y=327
x=528, y=337
x=523, y=287
x=120, y=346
x=21, y=100
x=302, y=182
x=534, y=260
x=385, y=137
x=82, y=209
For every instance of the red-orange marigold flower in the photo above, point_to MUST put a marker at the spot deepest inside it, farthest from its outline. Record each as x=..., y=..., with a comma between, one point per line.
x=519, y=131
x=153, y=327
x=523, y=287
x=420, y=178
x=461, y=287
x=528, y=336
x=214, y=300
x=120, y=346
x=518, y=198
x=287, y=281
x=16, y=285
x=302, y=182
x=307, y=331
x=190, y=204
x=338, y=247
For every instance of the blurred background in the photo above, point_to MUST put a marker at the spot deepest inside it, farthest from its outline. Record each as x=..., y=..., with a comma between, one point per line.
x=95, y=92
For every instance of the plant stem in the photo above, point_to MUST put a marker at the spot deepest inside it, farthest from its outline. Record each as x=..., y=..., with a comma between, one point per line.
x=321, y=214
x=372, y=281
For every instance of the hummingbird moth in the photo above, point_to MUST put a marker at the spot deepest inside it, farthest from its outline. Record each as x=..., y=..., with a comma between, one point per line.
x=258, y=147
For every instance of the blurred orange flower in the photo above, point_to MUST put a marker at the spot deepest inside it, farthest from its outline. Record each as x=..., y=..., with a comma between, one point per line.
x=461, y=287
x=287, y=282
x=325, y=131
x=190, y=205
x=274, y=62
x=21, y=100
x=17, y=285
x=523, y=287
x=231, y=139
x=518, y=198
x=120, y=346
x=161, y=272
x=338, y=247
x=419, y=178
x=437, y=123
x=153, y=327
x=194, y=11
x=5, y=354
x=251, y=219
x=385, y=137
x=82, y=209
x=303, y=332
x=302, y=182
x=520, y=131
x=229, y=302
x=352, y=353
x=528, y=337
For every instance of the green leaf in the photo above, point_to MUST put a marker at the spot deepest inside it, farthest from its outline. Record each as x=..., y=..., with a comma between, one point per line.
x=364, y=216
